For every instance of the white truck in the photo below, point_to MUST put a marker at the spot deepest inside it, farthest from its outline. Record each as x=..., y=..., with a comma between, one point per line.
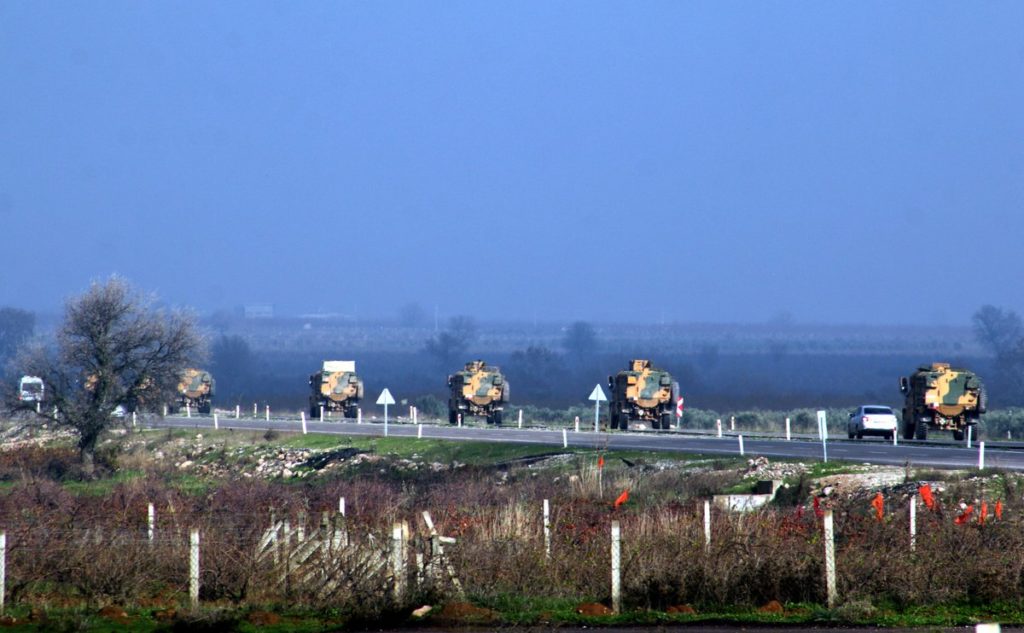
x=31, y=389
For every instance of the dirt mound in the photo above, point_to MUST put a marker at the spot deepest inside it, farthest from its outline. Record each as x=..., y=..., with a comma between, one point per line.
x=114, y=613
x=455, y=612
x=593, y=609
x=263, y=618
x=774, y=607
x=681, y=608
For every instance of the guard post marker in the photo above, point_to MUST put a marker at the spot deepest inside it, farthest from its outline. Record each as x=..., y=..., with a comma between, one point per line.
x=741, y=445
x=981, y=455
x=565, y=439
x=788, y=437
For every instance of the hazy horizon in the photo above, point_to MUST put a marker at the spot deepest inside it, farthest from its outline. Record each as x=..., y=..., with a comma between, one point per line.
x=656, y=161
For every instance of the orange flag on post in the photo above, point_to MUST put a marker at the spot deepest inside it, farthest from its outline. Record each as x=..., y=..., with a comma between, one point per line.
x=926, y=496
x=623, y=498
x=999, y=509
x=818, y=512
x=600, y=461
x=879, y=505
x=984, y=512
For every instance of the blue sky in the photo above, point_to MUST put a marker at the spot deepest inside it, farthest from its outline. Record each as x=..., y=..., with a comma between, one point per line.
x=716, y=161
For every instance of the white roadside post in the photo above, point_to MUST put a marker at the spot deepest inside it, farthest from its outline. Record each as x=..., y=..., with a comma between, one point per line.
x=359, y=415
x=823, y=433
x=597, y=397
x=188, y=410
x=520, y=418
x=321, y=413
x=969, y=427
x=151, y=522
x=981, y=455
x=238, y=411
x=165, y=411
x=788, y=437
x=718, y=425
x=268, y=413
x=303, y=415
x=135, y=420
x=216, y=422
x=895, y=432
x=385, y=399
x=577, y=424
x=3, y=568
x=341, y=505
x=565, y=439
x=679, y=413
x=830, y=560
x=255, y=410
x=616, y=567
x=547, y=529
x=741, y=445
x=193, y=568
x=707, y=524
x=419, y=431
x=732, y=422
x=913, y=522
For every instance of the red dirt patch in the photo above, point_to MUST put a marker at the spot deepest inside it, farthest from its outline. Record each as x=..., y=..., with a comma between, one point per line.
x=264, y=618
x=681, y=608
x=114, y=613
x=773, y=607
x=593, y=609
x=465, y=612
x=165, y=615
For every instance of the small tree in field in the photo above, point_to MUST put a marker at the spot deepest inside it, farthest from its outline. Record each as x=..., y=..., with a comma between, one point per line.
x=112, y=348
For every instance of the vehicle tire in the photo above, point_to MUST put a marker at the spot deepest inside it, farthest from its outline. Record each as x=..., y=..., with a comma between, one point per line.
x=921, y=431
x=205, y=408
x=982, y=400
x=497, y=418
x=851, y=434
x=613, y=421
x=908, y=427
x=351, y=413
x=314, y=412
x=958, y=436
x=666, y=421
x=860, y=435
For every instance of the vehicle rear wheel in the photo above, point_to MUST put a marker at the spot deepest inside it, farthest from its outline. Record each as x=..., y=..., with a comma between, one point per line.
x=666, y=421
x=453, y=417
x=314, y=412
x=908, y=428
x=497, y=418
x=850, y=434
x=958, y=435
x=921, y=431
x=860, y=435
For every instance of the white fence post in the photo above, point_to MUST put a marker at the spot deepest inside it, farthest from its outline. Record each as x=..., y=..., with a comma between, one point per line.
x=193, y=568
x=913, y=522
x=151, y=523
x=830, y=560
x=547, y=529
x=707, y=524
x=616, y=567
x=788, y=437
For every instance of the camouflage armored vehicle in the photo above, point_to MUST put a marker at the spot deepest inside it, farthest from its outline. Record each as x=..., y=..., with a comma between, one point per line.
x=336, y=387
x=642, y=393
x=942, y=398
x=195, y=390
x=479, y=389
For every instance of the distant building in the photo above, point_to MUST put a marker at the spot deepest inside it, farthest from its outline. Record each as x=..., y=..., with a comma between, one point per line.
x=259, y=311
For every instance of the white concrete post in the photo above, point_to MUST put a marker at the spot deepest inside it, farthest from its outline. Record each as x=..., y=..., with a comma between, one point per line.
x=398, y=560
x=616, y=567
x=341, y=505
x=913, y=522
x=321, y=413
x=359, y=415
x=419, y=431
x=969, y=435
x=718, y=425
x=255, y=410
x=547, y=529
x=830, y=560
x=520, y=418
x=39, y=408
x=268, y=413
x=165, y=411
x=303, y=414
x=577, y=424
x=3, y=568
x=565, y=439
x=981, y=455
x=788, y=436
x=459, y=416
x=135, y=420
x=188, y=410
x=707, y=524
x=238, y=411
x=193, y=568
x=895, y=434
x=732, y=422
x=216, y=422
x=415, y=415
x=741, y=445
x=151, y=522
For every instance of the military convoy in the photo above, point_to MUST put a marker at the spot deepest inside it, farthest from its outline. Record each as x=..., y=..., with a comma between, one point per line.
x=195, y=391
x=642, y=393
x=478, y=389
x=943, y=398
x=336, y=387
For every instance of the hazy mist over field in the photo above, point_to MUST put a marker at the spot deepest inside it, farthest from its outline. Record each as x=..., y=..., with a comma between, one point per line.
x=651, y=161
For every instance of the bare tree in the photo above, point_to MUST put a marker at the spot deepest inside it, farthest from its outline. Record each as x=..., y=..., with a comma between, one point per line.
x=998, y=330
x=580, y=341
x=112, y=348
x=449, y=346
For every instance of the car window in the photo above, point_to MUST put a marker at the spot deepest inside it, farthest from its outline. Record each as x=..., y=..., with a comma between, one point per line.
x=877, y=411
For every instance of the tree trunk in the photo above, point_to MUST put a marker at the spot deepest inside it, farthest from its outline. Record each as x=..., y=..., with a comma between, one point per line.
x=87, y=452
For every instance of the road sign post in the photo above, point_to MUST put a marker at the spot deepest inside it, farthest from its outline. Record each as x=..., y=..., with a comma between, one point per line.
x=385, y=399
x=679, y=413
x=823, y=432
x=597, y=395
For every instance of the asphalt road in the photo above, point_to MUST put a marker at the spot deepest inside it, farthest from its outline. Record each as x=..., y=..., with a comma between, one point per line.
x=863, y=451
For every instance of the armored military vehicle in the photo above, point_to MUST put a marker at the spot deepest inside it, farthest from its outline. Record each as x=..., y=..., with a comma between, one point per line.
x=196, y=390
x=642, y=393
x=479, y=389
x=942, y=398
x=336, y=387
